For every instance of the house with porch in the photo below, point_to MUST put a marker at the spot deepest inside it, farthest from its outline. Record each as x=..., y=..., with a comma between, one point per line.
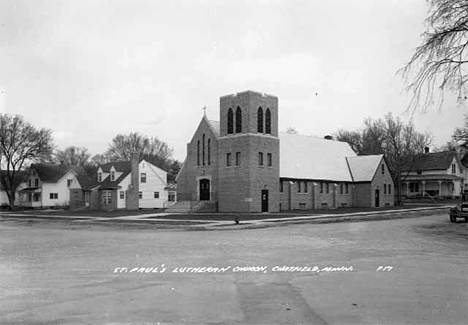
x=48, y=185
x=439, y=174
x=135, y=184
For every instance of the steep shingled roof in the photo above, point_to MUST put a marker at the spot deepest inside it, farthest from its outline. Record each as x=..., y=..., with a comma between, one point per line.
x=314, y=158
x=433, y=161
x=120, y=166
x=363, y=168
x=50, y=173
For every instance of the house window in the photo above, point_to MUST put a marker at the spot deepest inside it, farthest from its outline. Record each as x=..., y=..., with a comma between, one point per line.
x=269, y=162
x=260, y=158
x=298, y=187
x=385, y=189
x=198, y=153
x=112, y=176
x=414, y=187
x=383, y=169
x=228, y=159
x=454, y=171
x=143, y=177
x=230, y=122
x=321, y=187
x=281, y=187
x=140, y=195
x=122, y=195
x=419, y=172
x=69, y=181
x=341, y=188
x=346, y=188
x=171, y=196
x=328, y=187
x=203, y=151
x=36, y=197
x=238, y=120
x=306, y=189
x=209, y=152
x=99, y=177
x=260, y=120
x=268, y=121
x=29, y=183
x=106, y=197
x=238, y=158
x=53, y=196
x=36, y=182
x=156, y=195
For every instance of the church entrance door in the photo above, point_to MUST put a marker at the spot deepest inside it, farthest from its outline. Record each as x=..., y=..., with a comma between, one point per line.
x=377, y=198
x=204, y=190
x=264, y=200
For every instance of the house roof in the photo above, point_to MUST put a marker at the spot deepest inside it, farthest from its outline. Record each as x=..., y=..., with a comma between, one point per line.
x=433, y=161
x=120, y=166
x=107, y=183
x=50, y=173
x=308, y=157
x=363, y=168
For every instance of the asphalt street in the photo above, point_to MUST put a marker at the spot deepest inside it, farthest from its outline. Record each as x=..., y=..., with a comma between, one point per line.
x=404, y=271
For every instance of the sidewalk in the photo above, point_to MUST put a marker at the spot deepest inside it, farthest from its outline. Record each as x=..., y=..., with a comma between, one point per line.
x=198, y=222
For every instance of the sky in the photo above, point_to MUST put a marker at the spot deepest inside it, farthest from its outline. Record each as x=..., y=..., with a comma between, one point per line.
x=89, y=70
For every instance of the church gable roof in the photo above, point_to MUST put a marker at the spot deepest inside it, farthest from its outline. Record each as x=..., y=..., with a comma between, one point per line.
x=306, y=157
x=363, y=168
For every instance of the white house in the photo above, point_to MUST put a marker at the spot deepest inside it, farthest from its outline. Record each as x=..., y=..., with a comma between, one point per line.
x=436, y=174
x=47, y=186
x=114, y=183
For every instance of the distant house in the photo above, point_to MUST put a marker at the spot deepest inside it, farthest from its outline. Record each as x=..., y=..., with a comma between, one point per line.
x=436, y=174
x=48, y=185
x=122, y=185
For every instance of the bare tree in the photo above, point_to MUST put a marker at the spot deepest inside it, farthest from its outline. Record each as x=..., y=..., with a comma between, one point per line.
x=73, y=156
x=353, y=138
x=20, y=144
x=150, y=148
x=460, y=135
x=401, y=144
x=440, y=60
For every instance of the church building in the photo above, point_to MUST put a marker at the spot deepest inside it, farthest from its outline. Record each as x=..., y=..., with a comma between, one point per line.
x=243, y=164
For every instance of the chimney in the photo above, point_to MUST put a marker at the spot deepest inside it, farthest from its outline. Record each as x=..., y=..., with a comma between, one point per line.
x=134, y=188
x=426, y=149
x=328, y=137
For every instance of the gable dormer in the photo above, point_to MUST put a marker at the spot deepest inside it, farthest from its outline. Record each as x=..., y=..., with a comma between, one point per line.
x=100, y=175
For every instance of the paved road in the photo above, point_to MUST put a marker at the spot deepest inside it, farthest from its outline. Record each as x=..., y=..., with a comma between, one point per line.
x=64, y=273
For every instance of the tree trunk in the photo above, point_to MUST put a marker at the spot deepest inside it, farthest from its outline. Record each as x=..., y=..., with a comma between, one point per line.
x=11, y=198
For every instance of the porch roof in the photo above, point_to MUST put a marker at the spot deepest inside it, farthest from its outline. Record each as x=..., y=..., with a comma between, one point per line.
x=31, y=189
x=432, y=177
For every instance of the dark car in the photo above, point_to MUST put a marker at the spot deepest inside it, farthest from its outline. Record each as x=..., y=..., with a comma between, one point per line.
x=461, y=210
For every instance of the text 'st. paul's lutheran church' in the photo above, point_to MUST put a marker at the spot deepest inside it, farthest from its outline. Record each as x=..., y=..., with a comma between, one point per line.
x=242, y=164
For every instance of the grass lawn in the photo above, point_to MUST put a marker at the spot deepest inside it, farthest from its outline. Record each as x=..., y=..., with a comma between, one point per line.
x=211, y=216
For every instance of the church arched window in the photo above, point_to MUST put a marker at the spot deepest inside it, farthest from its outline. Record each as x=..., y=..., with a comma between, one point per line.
x=268, y=121
x=260, y=120
x=203, y=149
x=230, y=122
x=209, y=152
x=238, y=120
x=198, y=153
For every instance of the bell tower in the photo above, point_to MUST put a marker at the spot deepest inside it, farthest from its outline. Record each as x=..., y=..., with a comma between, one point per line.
x=248, y=153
